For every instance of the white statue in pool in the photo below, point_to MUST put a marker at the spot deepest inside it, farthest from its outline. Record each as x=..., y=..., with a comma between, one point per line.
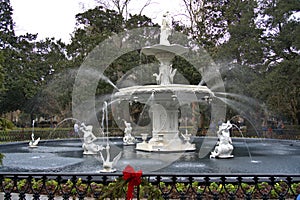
x=224, y=146
x=89, y=147
x=109, y=166
x=33, y=142
x=128, y=138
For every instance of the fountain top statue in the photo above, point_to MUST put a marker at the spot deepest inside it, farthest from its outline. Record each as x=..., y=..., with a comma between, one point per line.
x=165, y=29
x=164, y=51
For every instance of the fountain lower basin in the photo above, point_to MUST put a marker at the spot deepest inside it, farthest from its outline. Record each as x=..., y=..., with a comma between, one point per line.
x=268, y=156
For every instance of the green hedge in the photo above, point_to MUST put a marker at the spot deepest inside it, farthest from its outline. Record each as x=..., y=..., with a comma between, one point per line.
x=44, y=134
x=25, y=134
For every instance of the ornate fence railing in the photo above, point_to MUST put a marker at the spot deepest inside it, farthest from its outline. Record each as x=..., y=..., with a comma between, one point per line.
x=152, y=186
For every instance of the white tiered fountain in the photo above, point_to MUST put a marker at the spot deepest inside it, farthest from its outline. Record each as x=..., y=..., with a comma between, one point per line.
x=165, y=98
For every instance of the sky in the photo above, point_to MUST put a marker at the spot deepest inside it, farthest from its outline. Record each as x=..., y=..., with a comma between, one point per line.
x=56, y=18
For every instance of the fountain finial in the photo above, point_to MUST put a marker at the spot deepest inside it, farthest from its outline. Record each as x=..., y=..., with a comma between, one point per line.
x=165, y=30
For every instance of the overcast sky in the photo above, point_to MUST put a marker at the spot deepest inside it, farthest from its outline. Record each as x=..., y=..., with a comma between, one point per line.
x=56, y=18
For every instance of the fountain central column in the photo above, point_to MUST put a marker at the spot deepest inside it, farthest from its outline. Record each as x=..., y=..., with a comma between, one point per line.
x=164, y=121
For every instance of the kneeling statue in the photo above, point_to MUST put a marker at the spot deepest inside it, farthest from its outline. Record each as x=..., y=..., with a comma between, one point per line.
x=89, y=147
x=224, y=146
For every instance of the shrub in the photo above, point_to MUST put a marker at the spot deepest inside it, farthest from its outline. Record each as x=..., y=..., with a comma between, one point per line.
x=6, y=124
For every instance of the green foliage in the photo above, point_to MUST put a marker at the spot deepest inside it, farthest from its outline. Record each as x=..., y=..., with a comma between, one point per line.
x=22, y=184
x=6, y=124
x=150, y=191
x=27, y=71
x=1, y=158
x=231, y=188
x=191, y=74
x=247, y=188
x=53, y=184
x=6, y=24
x=115, y=189
x=244, y=45
x=198, y=188
x=36, y=184
x=98, y=24
x=215, y=187
x=8, y=184
x=256, y=47
x=1, y=72
x=180, y=187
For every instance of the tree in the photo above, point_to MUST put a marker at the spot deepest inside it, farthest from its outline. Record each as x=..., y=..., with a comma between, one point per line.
x=7, y=33
x=1, y=72
x=27, y=64
x=93, y=26
x=96, y=25
x=121, y=6
x=281, y=84
x=244, y=45
x=207, y=25
x=254, y=38
x=48, y=62
x=282, y=30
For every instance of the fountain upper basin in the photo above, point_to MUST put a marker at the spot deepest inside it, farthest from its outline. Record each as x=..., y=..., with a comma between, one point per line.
x=159, y=49
x=164, y=92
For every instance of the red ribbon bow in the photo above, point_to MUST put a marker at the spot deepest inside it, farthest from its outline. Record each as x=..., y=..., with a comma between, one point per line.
x=133, y=178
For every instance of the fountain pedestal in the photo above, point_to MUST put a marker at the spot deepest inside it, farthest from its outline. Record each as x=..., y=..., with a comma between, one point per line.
x=165, y=133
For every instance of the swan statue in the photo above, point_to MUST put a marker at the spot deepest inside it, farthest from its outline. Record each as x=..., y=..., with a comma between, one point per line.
x=33, y=143
x=108, y=166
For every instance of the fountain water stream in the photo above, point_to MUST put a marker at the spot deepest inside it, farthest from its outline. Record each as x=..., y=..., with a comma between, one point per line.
x=33, y=143
x=108, y=165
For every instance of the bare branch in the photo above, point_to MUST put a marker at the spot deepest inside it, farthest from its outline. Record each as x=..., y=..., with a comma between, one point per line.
x=144, y=6
x=103, y=3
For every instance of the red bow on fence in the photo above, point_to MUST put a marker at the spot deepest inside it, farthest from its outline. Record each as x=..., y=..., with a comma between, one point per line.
x=133, y=178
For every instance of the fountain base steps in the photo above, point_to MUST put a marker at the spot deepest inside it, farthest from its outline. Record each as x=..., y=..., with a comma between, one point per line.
x=177, y=146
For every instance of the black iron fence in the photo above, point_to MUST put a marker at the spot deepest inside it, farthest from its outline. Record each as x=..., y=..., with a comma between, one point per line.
x=151, y=186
